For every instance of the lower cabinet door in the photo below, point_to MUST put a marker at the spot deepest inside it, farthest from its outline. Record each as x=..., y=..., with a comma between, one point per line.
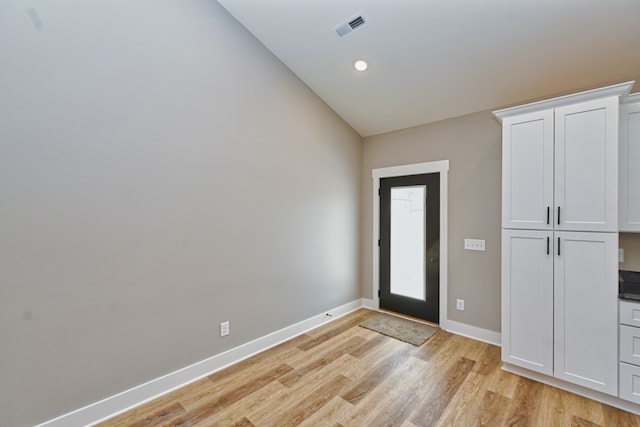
x=527, y=299
x=585, y=309
x=630, y=382
x=630, y=344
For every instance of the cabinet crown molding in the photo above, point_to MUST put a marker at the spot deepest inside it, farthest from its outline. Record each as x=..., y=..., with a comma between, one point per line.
x=631, y=99
x=622, y=90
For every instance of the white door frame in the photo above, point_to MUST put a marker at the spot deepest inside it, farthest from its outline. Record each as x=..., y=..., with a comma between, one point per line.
x=441, y=167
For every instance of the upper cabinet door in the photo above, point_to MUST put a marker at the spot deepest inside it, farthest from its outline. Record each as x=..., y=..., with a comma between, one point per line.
x=629, y=171
x=586, y=166
x=527, y=171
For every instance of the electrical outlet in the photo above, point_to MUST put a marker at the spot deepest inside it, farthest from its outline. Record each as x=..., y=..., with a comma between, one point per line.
x=474, y=244
x=224, y=329
x=460, y=304
x=620, y=255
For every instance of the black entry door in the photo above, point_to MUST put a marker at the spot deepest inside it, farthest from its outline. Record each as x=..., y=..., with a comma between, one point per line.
x=410, y=245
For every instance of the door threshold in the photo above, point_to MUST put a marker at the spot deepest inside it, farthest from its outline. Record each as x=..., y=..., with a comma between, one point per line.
x=415, y=319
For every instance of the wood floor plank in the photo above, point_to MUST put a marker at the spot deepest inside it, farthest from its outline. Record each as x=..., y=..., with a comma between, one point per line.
x=400, y=395
x=210, y=406
x=311, y=403
x=264, y=360
x=321, y=359
x=261, y=399
x=503, y=383
x=367, y=409
x=335, y=409
x=434, y=346
x=487, y=363
x=291, y=396
x=581, y=422
x=525, y=403
x=159, y=417
x=584, y=408
x=243, y=422
x=492, y=411
x=379, y=372
x=336, y=329
x=342, y=375
x=369, y=345
x=475, y=350
x=437, y=401
x=141, y=413
x=251, y=369
x=230, y=378
x=554, y=409
x=464, y=405
x=616, y=417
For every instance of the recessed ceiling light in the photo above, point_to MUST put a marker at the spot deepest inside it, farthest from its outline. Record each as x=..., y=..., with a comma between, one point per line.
x=361, y=65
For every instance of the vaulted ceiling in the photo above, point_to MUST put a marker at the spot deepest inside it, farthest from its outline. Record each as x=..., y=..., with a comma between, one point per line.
x=434, y=59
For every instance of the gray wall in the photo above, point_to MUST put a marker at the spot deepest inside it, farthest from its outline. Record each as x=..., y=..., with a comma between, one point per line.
x=472, y=144
x=160, y=172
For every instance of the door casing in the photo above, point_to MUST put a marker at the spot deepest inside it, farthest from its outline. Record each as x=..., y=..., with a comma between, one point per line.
x=441, y=167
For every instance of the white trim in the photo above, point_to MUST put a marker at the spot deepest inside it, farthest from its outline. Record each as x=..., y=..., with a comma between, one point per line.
x=441, y=167
x=631, y=99
x=368, y=303
x=122, y=402
x=469, y=331
x=582, y=391
x=621, y=90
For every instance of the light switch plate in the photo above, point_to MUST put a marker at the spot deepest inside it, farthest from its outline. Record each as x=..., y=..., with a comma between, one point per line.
x=474, y=244
x=620, y=255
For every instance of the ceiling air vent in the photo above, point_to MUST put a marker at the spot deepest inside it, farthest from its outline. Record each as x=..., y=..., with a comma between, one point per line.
x=350, y=26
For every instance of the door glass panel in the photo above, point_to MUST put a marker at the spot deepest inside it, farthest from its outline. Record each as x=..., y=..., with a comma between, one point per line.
x=408, y=241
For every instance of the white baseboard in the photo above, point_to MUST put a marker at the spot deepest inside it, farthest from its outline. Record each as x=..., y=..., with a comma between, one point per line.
x=368, y=303
x=122, y=402
x=572, y=388
x=474, y=332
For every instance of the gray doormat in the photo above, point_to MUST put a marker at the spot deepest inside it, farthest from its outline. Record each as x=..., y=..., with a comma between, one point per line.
x=406, y=330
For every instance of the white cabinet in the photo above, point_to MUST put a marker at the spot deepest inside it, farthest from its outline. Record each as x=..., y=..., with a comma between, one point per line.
x=527, y=171
x=586, y=166
x=629, y=164
x=630, y=344
x=586, y=309
x=630, y=313
x=559, y=238
x=559, y=314
x=527, y=297
x=560, y=167
x=630, y=382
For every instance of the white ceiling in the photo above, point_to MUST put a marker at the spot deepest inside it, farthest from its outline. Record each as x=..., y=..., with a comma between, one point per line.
x=434, y=59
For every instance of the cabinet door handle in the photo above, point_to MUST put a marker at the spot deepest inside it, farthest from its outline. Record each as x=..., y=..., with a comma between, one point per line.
x=548, y=211
x=558, y=215
x=558, y=246
x=547, y=245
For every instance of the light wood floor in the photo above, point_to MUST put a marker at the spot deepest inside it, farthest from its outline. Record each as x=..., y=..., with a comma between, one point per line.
x=343, y=375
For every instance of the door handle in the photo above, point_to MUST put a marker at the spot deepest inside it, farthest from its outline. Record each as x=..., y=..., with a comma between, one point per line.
x=548, y=245
x=558, y=246
x=558, y=215
x=548, y=212
x=435, y=259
